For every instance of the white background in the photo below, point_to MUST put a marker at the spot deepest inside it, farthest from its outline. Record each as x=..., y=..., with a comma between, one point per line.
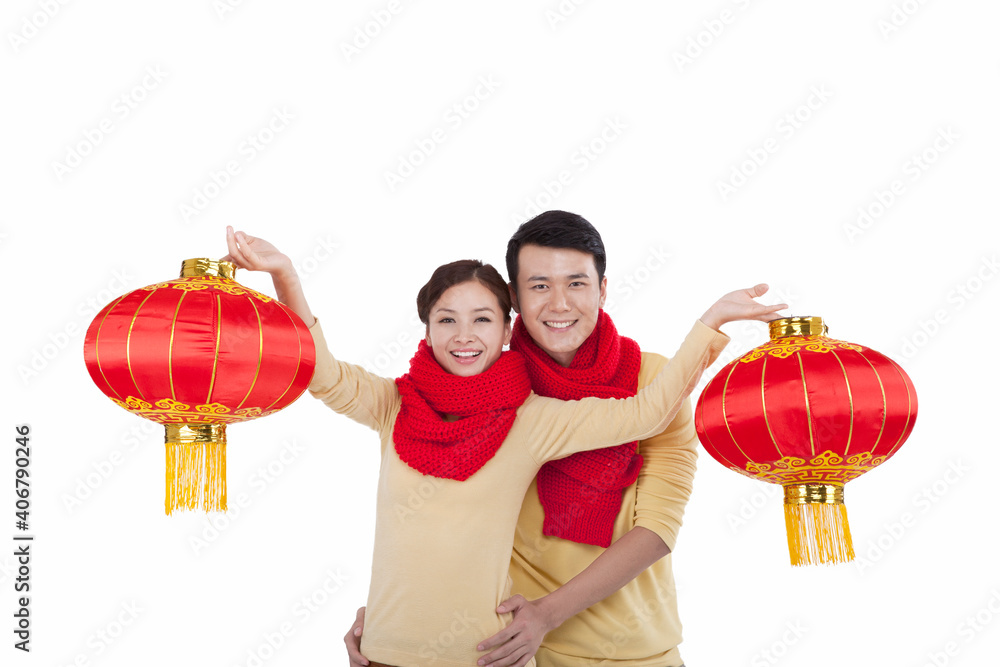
x=834, y=101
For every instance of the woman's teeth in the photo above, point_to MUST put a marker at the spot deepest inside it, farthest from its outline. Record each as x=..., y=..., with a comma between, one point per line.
x=466, y=354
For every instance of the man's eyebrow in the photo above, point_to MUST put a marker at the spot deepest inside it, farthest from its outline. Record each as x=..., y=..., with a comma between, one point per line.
x=572, y=276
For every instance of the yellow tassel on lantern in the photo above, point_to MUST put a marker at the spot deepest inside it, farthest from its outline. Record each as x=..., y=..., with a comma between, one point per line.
x=816, y=523
x=196, y=467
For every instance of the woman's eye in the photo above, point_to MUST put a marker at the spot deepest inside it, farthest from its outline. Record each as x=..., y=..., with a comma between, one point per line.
x=483, y=319
x=445, y=320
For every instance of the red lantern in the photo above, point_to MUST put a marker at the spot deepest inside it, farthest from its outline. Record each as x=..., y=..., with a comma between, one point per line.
x=810, y=413
x=196, y=354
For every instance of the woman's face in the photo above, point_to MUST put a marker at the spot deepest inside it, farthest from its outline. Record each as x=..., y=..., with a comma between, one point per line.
x=466, y=330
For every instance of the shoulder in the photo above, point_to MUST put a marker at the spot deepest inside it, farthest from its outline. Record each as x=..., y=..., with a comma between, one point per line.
x=533, y=403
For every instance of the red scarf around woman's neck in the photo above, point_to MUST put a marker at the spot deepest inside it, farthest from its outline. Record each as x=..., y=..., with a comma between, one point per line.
x=582, y=494
x=487, y=403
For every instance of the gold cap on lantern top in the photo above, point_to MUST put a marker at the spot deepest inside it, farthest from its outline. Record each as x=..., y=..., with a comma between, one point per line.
x=796, y=326
x=203, y=266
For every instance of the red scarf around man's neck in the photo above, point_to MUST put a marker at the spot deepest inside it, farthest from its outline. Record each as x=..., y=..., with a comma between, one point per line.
x=486, y=402
x=582, y=494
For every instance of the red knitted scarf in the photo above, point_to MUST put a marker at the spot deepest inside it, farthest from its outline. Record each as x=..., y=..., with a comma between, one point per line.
x=486, y=402
x=582, y=494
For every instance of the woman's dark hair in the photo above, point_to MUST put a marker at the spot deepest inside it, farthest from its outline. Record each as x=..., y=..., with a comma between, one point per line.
x=557, y=229
x=456, y=273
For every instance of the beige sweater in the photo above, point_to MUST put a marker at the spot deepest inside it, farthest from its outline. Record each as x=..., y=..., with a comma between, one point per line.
x=443, y=547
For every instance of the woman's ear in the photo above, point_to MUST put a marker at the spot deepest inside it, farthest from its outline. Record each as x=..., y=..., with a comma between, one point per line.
x=427, y=335
x=506, y=333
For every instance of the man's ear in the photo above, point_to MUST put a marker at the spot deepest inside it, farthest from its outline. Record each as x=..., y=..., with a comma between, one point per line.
x=604, y=290
x=513, y=298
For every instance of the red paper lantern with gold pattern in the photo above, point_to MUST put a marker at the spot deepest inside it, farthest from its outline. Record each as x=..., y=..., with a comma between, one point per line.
x=196, y=354
x=810, y=413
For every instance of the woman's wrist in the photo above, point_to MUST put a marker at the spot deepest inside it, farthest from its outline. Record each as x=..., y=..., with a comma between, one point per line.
x=284, y=273
x=710, y=320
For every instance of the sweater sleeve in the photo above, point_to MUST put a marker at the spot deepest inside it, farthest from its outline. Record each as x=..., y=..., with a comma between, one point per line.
x=349, y=389
x=668, y=466
x=561, y=428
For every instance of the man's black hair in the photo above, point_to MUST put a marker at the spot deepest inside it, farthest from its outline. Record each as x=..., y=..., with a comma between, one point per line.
x=556, y=229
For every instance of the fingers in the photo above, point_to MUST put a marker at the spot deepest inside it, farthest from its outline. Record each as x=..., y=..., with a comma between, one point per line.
x=353, y=642
x=515, y=659
x=244, y=245
x=235, y=251
x=757, y=290
x=505, y=655
x=233, y=255
x=510, y=604
x=498, y=639
x=239, y=249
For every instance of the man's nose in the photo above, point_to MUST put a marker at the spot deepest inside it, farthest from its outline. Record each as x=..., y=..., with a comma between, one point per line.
x=558, y=301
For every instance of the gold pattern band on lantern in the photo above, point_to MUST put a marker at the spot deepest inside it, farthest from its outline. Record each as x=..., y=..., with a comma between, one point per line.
x=802, y=494
x=825, y=468
x=168, y=411
x=185, y=433
x=203, y=266
x=797, y=326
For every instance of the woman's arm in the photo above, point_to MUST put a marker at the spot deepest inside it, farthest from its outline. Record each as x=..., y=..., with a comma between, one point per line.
x=562, y=428
x=351, y=390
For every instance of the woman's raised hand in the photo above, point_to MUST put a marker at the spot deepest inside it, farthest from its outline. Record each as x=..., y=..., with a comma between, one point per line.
x=740, y=305
x=255, y=254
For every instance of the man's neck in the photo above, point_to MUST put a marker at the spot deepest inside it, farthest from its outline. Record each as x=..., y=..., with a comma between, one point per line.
x=564, y=359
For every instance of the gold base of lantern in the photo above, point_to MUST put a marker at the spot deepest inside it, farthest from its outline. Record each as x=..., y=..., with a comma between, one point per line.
x=816, y=524
x=196, y=467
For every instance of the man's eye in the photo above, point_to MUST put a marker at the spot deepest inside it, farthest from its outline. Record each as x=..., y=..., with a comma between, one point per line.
x=539, y=287
x=576, y=283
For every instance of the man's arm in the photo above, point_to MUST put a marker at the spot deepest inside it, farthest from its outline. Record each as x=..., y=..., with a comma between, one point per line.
x=662, y=491
x=620, y=563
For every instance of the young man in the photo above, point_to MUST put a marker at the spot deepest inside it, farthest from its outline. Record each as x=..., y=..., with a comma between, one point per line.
x=578, y=600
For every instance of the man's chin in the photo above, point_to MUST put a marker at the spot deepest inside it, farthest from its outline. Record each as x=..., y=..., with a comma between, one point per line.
x=558, y=347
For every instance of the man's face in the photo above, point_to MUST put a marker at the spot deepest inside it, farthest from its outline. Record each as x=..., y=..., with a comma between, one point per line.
x=558, y=297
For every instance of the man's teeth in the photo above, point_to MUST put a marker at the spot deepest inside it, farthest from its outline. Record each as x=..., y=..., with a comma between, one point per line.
x=466, y=354
x=559, y=325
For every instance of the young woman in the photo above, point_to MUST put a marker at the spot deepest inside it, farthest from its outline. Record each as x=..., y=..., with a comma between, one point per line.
x=462, y=433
